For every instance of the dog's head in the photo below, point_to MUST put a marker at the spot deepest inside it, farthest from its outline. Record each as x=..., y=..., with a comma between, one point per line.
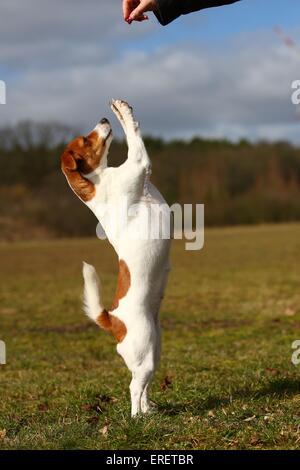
x=86, y=154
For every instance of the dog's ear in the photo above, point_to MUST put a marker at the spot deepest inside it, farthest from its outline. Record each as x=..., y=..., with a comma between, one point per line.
x=81, y=186
x=68, y=161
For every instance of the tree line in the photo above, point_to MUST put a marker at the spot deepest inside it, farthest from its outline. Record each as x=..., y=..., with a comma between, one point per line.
x=239, y=183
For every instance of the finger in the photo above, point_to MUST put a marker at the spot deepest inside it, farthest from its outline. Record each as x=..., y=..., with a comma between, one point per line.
x=140, y=18
x=138, y=12
x=128, y=7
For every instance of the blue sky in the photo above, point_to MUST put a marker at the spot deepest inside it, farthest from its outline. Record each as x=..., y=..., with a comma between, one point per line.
x=216, y=24
x=221, y=72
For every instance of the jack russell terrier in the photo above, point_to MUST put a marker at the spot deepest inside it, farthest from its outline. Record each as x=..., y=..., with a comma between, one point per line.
x=133, y=318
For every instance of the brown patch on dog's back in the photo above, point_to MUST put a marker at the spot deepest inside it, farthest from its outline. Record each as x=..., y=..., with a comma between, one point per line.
x=112, y=324
x=123, y=284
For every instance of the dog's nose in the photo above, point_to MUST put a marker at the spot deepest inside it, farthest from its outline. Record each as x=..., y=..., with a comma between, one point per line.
x=104, y=121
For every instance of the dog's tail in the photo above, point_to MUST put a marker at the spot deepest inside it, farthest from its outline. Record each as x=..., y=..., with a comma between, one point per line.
x=93, y=305
x=92, y=301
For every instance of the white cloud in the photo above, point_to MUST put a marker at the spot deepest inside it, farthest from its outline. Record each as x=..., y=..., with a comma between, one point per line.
x=49, y=34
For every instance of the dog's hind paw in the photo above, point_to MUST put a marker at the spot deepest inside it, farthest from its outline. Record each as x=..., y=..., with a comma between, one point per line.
x=149, y=407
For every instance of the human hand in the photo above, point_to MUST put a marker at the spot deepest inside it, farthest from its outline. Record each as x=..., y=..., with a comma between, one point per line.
x=134, y=10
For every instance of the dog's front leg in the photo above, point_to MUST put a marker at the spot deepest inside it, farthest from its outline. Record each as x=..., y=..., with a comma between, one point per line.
x=137, y=152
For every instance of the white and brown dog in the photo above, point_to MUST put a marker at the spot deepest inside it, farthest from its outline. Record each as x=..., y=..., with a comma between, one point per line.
x=133, y=318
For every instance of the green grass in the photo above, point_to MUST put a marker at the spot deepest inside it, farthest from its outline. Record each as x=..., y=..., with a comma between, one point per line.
x=229, y=317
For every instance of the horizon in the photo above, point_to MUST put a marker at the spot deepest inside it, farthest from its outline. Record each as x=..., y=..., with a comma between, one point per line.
x=118, y=138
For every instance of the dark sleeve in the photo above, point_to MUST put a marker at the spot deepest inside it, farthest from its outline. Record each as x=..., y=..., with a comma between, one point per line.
x=169, y=10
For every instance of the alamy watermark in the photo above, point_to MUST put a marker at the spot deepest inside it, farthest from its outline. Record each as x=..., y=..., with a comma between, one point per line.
x=296, y=93
x=2, y=353
x=2, y=92
x=296, y=354
x=151, y=221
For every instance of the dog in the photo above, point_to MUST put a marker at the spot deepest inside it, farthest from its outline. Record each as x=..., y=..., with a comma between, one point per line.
x=133, y=318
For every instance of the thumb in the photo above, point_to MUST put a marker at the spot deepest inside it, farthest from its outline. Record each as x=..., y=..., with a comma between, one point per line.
x=138, y=12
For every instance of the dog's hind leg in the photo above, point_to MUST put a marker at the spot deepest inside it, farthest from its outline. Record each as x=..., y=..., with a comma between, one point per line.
x=145, y=403
x=141, y=378
x=147, y=406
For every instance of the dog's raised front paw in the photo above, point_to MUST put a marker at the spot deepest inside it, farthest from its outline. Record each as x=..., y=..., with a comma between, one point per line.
x=124, y=113
x=122, y=107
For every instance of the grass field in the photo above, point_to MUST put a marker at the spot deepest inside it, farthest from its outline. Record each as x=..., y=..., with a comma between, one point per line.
x=226, y=379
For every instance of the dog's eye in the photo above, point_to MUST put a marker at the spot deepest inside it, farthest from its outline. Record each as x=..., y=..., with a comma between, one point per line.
x=85, y=140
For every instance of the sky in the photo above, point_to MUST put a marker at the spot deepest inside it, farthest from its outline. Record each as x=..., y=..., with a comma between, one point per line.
x=218, y=73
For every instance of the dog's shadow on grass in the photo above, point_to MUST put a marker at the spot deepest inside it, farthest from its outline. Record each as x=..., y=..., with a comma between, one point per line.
x=277, y=388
